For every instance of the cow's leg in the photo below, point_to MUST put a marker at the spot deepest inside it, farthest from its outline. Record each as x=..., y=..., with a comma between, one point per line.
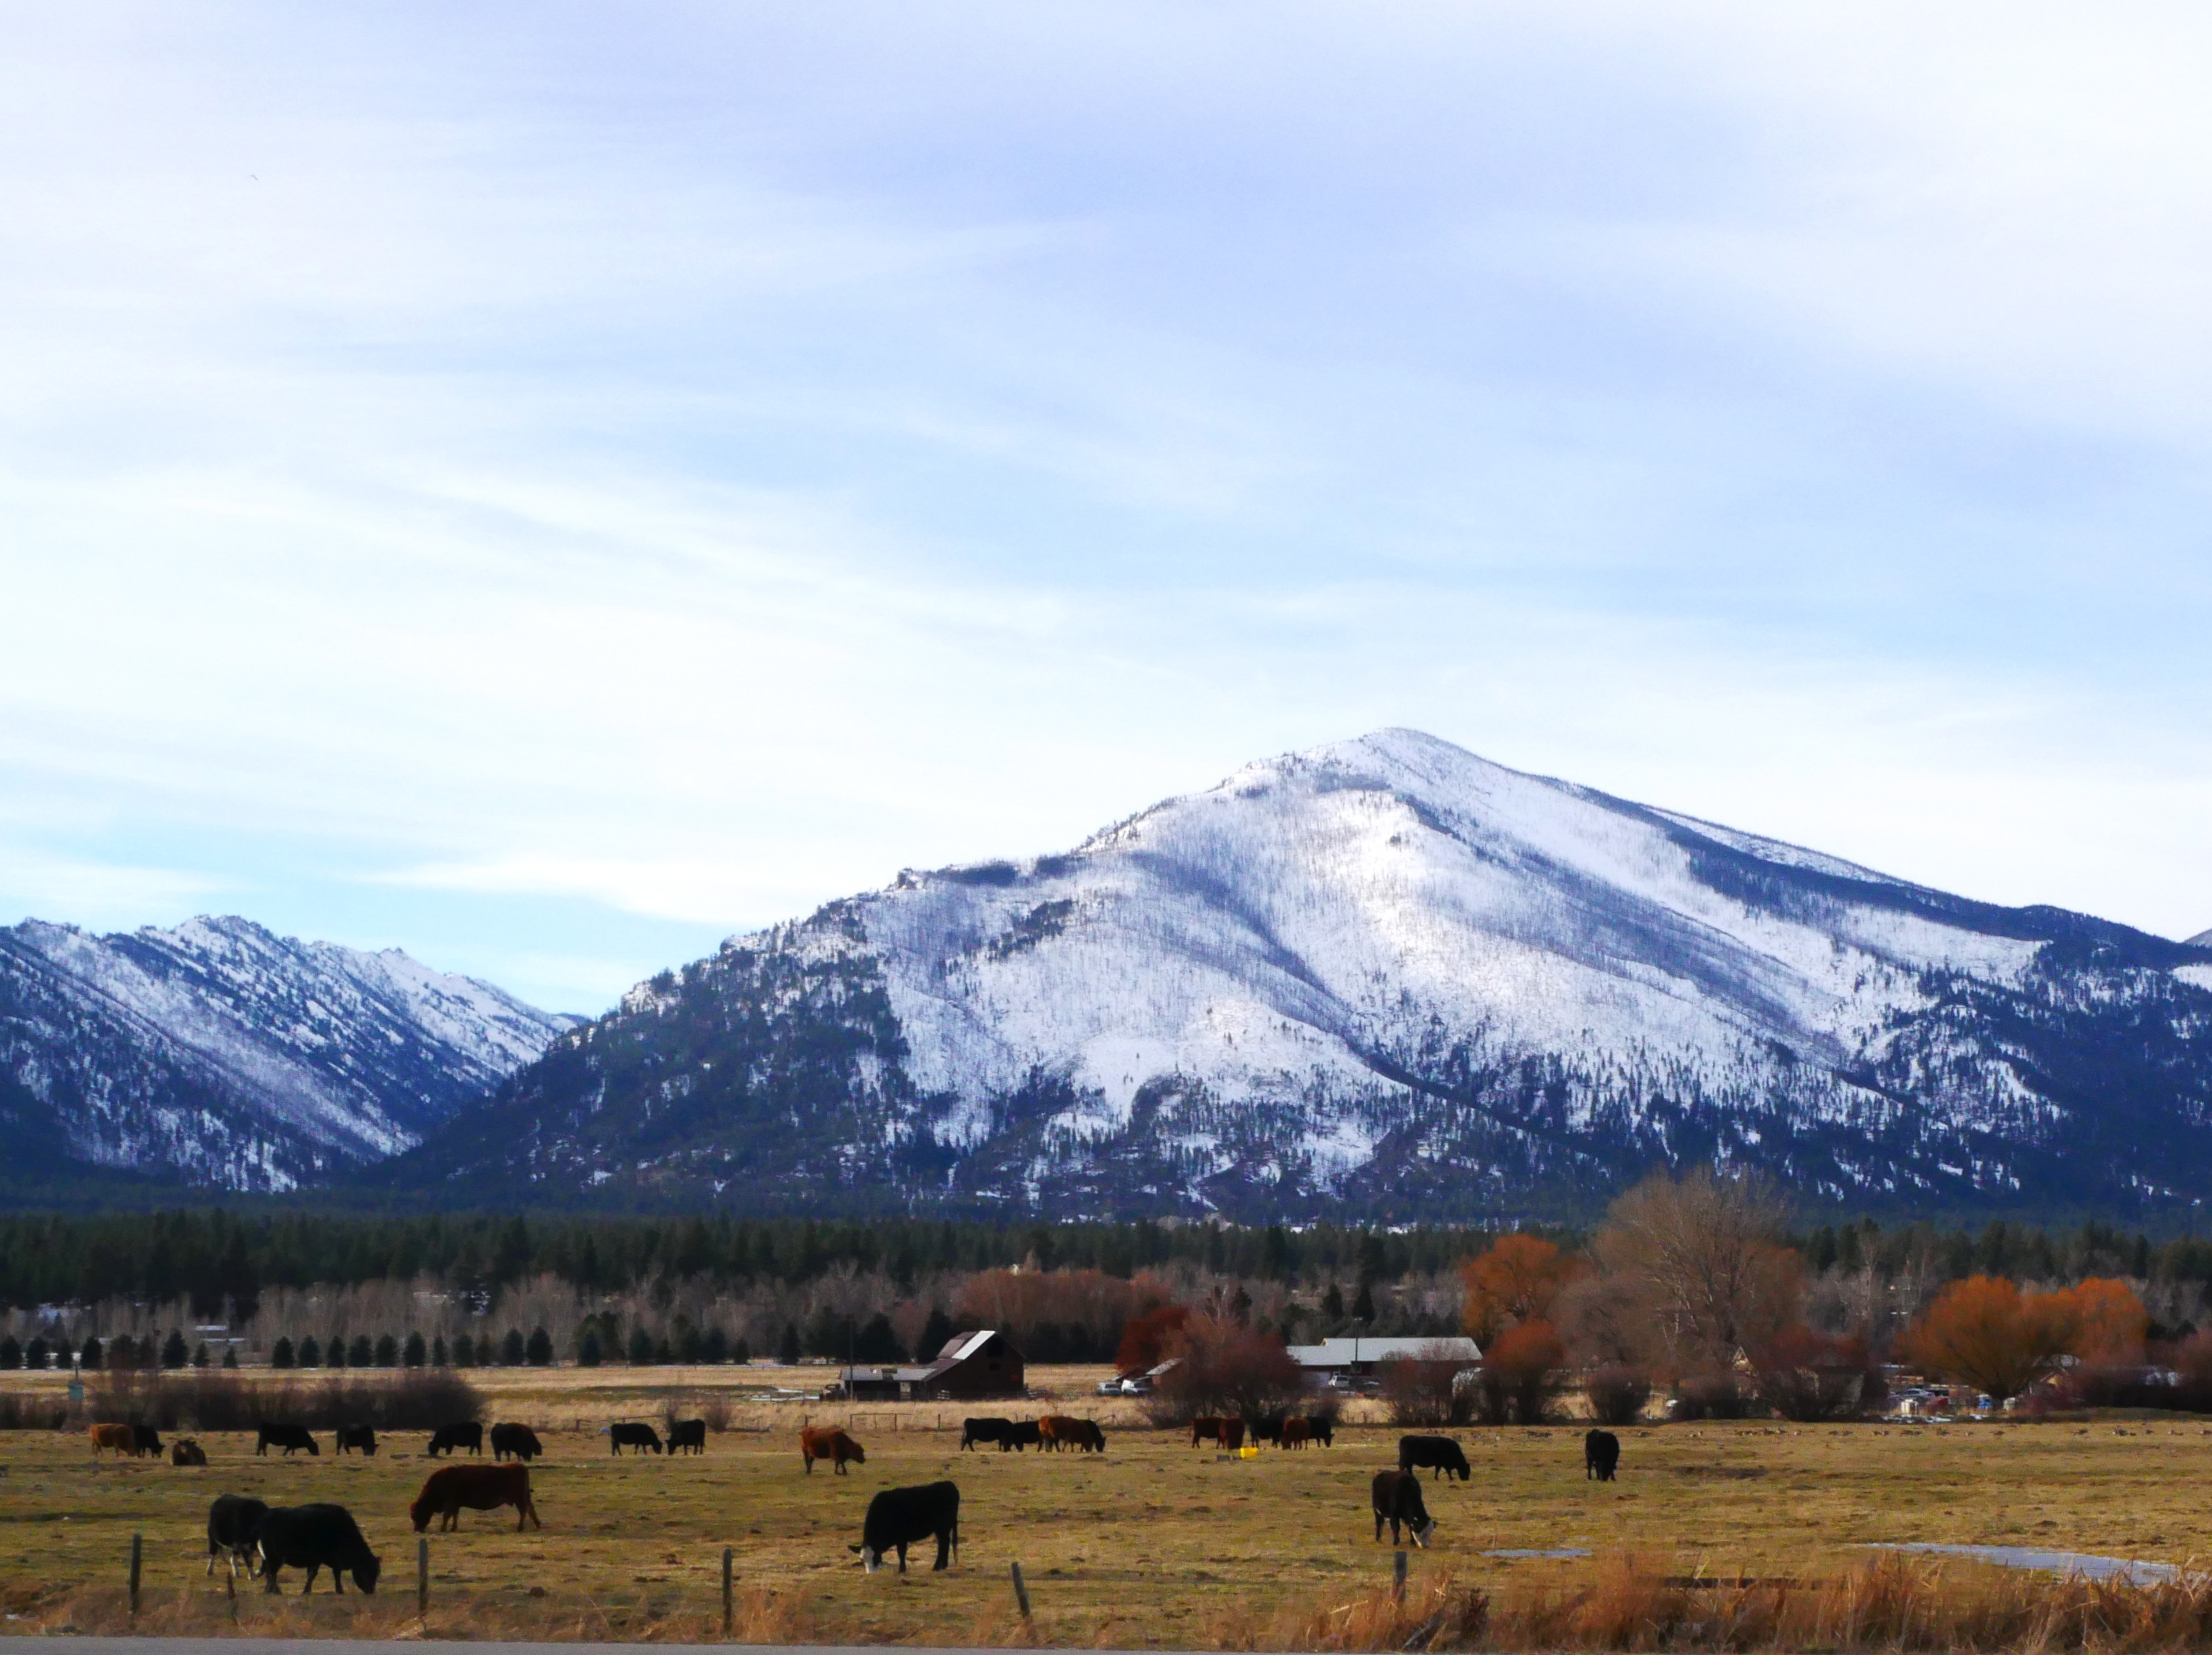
x=902, y=1552
x=944, y=1550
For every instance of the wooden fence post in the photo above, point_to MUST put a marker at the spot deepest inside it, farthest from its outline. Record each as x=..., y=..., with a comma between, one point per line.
x=1398, y=1576
x=1021, y=1591
x=138, y=1556
x=727, y=1551
x=422, y=1576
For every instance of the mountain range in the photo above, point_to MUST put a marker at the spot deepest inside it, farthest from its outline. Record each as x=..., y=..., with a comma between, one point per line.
x=220, y=1054
x=1384, y=980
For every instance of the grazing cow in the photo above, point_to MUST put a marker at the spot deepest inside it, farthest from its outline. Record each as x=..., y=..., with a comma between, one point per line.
x=1087, y=1436
x=1057, y=1430
x=898, y=1517
x=234, y=1524
x=145, y=1439
x=518, y=1441
x=313, y=1537
x=1437, y=1453
x=118, y=1437
x=461, y=1434
x=1600, y=1455
x=449, y=1491
x=287, y=1437
x=1229, y=1433
x=687, y=1434
x=1297, y=1434
x=1268, y=1427
x=185, y=1452
x=1398, y=1500
x=1322, y=1428
x=1022, y=1433
x=621, y=1435
x=362, y=1437
x=829, y=1442
x=985, y=1430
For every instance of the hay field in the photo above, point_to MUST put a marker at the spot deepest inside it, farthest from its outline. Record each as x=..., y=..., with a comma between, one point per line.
x=1154, y=1544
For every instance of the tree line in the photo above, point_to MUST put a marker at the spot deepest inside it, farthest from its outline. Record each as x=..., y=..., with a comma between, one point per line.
x=223, y=1262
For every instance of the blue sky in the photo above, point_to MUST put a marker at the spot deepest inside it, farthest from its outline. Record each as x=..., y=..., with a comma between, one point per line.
x=549, y=486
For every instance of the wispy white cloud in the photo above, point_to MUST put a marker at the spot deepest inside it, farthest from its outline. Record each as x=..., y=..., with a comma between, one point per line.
x=696, y=469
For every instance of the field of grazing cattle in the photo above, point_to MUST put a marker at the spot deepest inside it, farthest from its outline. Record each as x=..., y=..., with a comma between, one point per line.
x=1152, y=1543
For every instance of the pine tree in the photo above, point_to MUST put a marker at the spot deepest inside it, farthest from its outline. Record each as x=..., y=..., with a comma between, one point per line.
x=465, y=1351
x=936, y=1333
x=415, y=1353
x=664, y=1352
x=200, y=1357
x=511, y=1350
x=438, y=1357
x=34, y=1354
x=1332, y=1303
x=11, y=1353
x=310, y=1352
x=588, y=1354
x=539, y=1351
x=714, y=1346
x=89, y=1358
x=230, y=1357
x=281, y=1354
x=334, y=1353
x=361, y=1352
x=877, y=1342
x=788, y=1352
x=641, y=1348
x=741, y=1353
x=175, y=1352
x=1363, y=1308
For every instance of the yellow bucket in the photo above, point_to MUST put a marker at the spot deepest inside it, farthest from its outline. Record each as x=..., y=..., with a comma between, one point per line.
x=1250, y=1450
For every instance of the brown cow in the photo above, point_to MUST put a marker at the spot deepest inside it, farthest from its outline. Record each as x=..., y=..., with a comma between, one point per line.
x=1058, y=1431
x=1296, y=1433
x=185, y=1451
x=1229, y=1433
x=121, y=1438
x=455, y=1488
x=830, y=1443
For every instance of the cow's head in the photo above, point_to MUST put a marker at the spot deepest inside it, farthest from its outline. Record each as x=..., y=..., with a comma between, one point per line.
x=1422, y=1530
x=869, y=1557
x=854, y=1453
x=365, y=1573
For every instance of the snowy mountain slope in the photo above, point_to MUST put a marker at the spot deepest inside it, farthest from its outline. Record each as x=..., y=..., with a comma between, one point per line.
x=2202, y=940
x=1385, y=977
x=223, y=1054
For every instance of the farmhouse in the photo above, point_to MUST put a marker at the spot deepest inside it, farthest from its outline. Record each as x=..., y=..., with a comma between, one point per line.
x=971, y=1366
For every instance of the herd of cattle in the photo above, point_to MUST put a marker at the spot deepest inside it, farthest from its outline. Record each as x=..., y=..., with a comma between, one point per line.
x=320, y=1535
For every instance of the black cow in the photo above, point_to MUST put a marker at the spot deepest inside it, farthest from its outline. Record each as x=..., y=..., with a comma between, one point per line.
x=898, y=1517
x=1321, y=1428
x=1437, y=1453
x=1022, y=1433
x=287, y=1437
x=985, y=1430
x=640, y=1437
x=518, y=1440
x=313, y=1537
x=233, y=1522
x=687, y=1434
x=145, y=1439
x=1397, y=1500
x=362, y=1437
x=462, y=1434
x=1268, y=1427
x=1600, y=1455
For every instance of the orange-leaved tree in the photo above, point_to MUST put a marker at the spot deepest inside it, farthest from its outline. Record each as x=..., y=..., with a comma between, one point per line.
x=1144, y=1339
x=1984, y=1333
x=1517, y=1279
x=2102, y=1320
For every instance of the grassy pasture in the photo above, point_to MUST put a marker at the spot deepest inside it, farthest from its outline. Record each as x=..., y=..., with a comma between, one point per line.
x=1154, y=1544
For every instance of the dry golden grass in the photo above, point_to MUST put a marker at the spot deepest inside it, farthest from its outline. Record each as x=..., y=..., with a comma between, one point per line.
x=1157, y=1544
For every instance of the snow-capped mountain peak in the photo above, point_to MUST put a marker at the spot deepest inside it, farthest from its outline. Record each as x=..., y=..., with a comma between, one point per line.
x=1384, y=973
x=232, y=1056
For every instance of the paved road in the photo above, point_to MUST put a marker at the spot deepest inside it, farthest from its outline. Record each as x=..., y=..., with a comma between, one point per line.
x=418, y=1646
